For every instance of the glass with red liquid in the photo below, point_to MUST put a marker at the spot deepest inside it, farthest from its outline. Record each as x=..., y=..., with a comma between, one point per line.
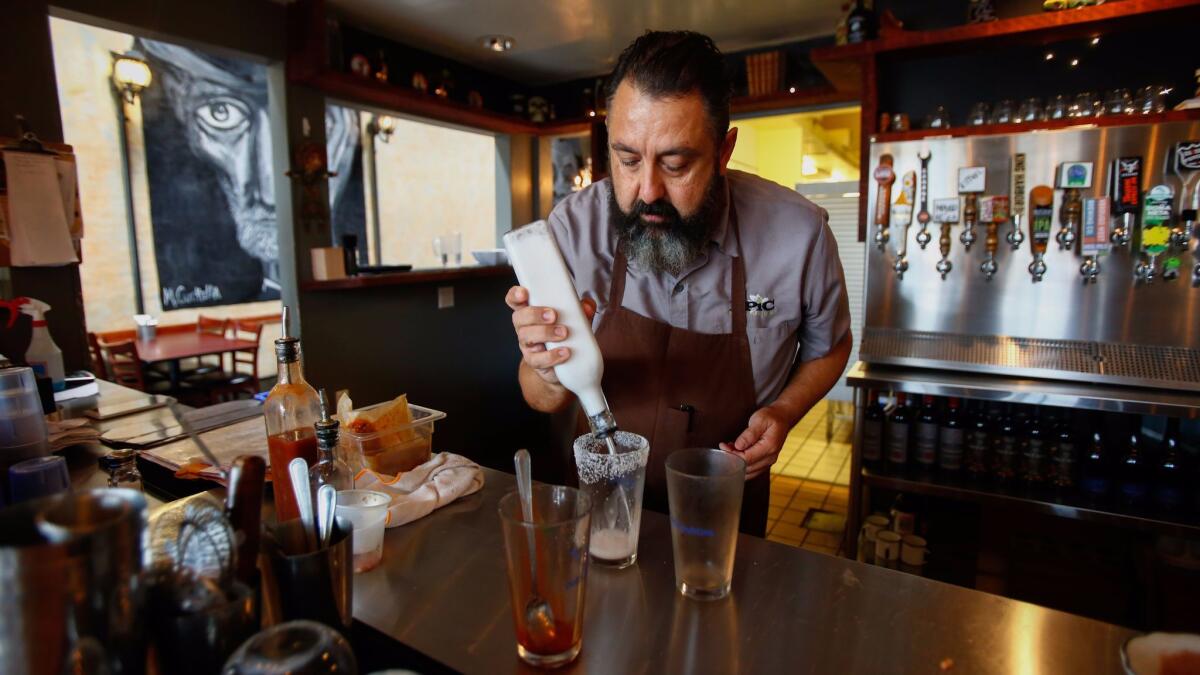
x=291, y=410
x=282, y=448
x=557, y=541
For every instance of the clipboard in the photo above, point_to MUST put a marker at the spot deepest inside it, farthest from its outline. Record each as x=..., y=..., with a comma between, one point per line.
x=28, y=142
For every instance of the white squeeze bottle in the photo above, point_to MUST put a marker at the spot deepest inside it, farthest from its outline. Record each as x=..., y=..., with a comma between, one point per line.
x=539, y=265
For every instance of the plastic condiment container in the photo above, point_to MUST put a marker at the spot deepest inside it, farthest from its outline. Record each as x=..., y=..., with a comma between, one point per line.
x=395, y=450
x=367, y=510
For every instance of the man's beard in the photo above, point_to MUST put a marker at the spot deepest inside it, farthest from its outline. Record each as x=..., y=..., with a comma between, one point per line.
x=673, y=244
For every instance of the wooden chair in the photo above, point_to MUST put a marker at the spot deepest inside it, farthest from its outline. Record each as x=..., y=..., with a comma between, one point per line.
x=221, y=385
x=124, y=366
x=243, y=379
x=99, y=369
x=207, y=324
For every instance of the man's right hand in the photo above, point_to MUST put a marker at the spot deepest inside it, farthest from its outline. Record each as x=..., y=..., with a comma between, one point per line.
x=535, y=326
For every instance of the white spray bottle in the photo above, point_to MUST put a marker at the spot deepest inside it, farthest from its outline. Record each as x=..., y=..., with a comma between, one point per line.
x=43, y=355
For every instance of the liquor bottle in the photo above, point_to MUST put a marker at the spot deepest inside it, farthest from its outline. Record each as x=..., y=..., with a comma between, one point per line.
x=978, y=442
x=1132, y=478
x=1170, y=480
x=1005, y=446
x=899, y=434
x=1063, y=460
x=1033, y=448
x=950, y=439
x=872, y=435
x=329, y=469
x=860, y=24
x=840, y=31
x=1095, y=475
x=290, y=411
x=925, y=437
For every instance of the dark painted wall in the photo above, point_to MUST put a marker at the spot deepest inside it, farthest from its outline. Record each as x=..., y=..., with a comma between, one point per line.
x=382, y=342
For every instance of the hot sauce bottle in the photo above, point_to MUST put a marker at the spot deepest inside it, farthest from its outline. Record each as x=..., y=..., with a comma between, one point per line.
x=291, y=410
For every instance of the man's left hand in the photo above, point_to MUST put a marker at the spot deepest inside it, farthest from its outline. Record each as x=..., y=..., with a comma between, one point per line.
x=763, y=438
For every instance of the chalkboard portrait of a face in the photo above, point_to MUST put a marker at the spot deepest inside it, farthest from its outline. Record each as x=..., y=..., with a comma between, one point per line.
x=566, y=157
x=211, y=176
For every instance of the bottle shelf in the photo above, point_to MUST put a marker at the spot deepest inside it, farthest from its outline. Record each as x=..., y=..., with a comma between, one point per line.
x=1037, y=499
x=1045, y=125
x=1039, y=28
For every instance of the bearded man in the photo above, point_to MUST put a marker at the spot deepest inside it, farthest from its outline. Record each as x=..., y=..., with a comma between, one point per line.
x=717, y=297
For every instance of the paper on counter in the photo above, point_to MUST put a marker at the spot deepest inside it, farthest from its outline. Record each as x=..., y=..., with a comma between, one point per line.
x=248, y=437
x=37, y=222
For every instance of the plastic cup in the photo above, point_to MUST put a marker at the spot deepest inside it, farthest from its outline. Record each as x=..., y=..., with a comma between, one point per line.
x=37, y=477
x=367, y=511
x=614, y=483
x=704, y=491
x=557, y=543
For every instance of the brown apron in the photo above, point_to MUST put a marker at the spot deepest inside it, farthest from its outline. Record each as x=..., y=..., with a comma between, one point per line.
x=680, y=388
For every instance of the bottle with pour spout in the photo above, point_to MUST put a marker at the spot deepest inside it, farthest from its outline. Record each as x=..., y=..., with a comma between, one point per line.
x=291, y=412
x=540, y=269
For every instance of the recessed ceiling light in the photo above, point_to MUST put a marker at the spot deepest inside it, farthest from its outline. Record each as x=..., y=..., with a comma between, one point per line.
x=1095, y=41
x=1074, y=62
x=1049, y=56
x=497, y=43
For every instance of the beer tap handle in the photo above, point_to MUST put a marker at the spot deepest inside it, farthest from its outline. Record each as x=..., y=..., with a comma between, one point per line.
x=923, y=216
x=1015, y=236
x=944, y=265
x=1072, y=177
x=1017, y=197
x=1041, y=215
x=1071, y=215
x=885, y=175
x=1157, y=211
x=1126, y=191
x=945, y=212
x=970, y=217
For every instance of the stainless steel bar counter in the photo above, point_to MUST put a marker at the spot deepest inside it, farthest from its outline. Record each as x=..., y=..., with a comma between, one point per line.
x=442, y=591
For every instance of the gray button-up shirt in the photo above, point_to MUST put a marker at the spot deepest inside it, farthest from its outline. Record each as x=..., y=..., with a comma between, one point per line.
x=797, y=304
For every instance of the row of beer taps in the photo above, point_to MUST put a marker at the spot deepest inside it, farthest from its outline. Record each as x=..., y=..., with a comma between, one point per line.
x=1082, y=222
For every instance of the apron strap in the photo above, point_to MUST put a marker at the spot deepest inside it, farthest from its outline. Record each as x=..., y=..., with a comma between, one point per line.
x=616, y=294
x=738, y=297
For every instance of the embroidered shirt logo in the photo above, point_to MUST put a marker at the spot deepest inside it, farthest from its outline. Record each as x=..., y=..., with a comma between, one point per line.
x=760, y=305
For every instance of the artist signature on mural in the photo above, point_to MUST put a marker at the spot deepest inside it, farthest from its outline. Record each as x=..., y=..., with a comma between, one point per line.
x=182, y=296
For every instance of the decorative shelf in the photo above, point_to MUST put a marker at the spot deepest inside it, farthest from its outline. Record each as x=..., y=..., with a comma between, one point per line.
x=1047, y=125
x=843, y=65
x=785, y=99
x=362, y=90
x=400, y=99
x=1037, y=500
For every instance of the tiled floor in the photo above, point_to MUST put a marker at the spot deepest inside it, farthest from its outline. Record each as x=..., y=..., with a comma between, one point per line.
x=812, y=474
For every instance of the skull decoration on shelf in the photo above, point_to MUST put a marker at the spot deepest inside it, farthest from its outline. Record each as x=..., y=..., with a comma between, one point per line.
x=539, y=109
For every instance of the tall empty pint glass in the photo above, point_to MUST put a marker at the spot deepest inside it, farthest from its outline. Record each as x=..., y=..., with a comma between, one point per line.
x=547, y=571
x=704, y=490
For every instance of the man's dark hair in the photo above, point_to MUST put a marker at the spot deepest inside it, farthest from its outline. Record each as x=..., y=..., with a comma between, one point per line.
x=677, y=63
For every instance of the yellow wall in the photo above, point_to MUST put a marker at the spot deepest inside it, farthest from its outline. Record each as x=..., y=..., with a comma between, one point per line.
x=425, y=193
x=774, y=147
x=83, y=68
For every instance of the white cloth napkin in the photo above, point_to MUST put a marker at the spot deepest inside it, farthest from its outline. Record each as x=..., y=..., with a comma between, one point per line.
x=417, y=493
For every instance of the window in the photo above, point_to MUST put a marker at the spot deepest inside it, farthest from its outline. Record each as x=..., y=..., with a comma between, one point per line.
x=402, y=182
x=803, y=147
x=202, y=179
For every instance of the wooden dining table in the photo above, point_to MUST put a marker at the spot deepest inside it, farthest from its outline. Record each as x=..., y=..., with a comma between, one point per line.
x=171, y=348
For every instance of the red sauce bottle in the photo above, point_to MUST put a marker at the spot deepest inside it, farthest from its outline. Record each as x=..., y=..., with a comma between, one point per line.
x=290, y=411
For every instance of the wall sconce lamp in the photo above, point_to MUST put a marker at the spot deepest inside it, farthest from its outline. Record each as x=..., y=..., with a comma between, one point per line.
x=382, y=126
x=130, y=74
